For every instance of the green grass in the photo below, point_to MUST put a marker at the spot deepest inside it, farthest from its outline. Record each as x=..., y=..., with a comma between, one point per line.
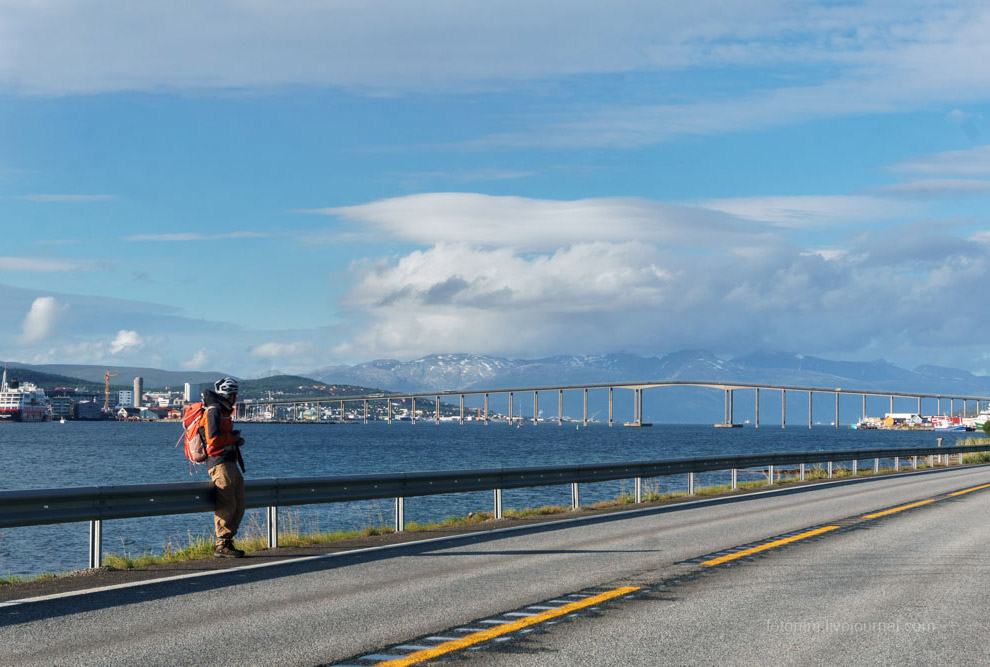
x=14, y=579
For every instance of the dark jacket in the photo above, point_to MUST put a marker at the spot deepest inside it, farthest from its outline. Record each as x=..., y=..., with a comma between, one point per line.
x=221, y=440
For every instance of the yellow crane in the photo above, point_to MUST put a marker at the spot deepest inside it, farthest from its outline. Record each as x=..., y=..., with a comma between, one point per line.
x=106, y=390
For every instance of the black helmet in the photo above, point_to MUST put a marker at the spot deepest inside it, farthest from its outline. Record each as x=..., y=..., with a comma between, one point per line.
x=226, y=387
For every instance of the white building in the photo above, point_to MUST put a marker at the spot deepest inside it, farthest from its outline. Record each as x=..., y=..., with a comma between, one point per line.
x=125, y=398
x=193, y=392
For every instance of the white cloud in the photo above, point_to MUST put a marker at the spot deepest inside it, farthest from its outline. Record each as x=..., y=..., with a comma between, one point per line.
x=196, y=236
x=40, y=320
x=874, y=292
x=936, y=187
x=871, y=56
x=198, y=361
x=982, y=236
x=542, y=224
x=126, y=340
x=272, y=349
x=75, y=47
x=68, y=199
x=810, y=211
x=39, y=264
x=973, y=162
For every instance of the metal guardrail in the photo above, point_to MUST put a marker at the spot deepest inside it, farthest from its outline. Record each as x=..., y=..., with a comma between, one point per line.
x=96, y=504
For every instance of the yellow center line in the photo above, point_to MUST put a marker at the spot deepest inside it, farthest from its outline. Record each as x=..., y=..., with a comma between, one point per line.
x=769, y=545
x=484, y=635
x=975, y=488
x=898, y=509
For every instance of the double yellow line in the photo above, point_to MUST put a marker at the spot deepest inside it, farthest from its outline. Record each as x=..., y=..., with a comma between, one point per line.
x=506, y=628
x=768, y=545
x=818, y=531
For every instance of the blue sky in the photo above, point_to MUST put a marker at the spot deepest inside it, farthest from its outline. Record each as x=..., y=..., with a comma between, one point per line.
x=246, y=186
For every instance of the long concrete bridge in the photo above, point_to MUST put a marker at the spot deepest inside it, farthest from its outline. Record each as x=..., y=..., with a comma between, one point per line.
x=366, y=407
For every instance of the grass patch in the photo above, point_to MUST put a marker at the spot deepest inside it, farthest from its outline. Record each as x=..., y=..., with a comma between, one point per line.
x=198, y=546
x=656, y=496
x=713, y=490
x=536, y=511
x=15, y=579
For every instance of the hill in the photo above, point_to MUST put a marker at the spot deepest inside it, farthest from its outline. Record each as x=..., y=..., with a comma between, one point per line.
x=292, y=386
x=154, y=378
x=49, y=381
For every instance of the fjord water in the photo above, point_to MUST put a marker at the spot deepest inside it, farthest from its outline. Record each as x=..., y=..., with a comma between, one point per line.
x=53, y=455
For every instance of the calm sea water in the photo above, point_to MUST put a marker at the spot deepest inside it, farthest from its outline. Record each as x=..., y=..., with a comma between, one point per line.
x=53, y=455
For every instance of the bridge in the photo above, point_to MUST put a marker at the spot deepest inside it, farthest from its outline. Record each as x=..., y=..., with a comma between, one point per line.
x=367, y=406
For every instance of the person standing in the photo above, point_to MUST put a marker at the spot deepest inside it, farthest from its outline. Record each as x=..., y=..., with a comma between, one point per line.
x=223, y=451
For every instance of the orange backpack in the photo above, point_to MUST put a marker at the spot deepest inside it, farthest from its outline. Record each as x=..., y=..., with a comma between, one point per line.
x=192, y=419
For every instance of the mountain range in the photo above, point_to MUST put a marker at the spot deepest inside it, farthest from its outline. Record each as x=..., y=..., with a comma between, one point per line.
x=469, y=372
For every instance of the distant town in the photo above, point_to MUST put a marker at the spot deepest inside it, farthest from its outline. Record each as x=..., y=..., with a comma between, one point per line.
x=29, y=395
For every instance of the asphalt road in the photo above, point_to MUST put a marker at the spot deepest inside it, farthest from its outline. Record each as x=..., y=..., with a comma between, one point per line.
x=906, y=588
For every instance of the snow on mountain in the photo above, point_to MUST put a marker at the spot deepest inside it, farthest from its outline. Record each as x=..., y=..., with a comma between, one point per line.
x=440, y=372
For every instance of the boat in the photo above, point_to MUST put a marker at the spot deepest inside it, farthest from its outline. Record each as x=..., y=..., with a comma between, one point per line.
x=727, y=425
x=23, y=402
x=945, y=423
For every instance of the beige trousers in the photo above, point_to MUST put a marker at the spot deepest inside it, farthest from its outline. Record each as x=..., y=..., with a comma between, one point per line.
x=230, y=499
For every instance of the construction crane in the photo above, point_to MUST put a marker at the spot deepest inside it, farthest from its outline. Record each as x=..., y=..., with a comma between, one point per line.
x=106, y=390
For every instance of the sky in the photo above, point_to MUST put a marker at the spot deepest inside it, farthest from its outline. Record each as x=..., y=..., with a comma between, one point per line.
x=248, y=186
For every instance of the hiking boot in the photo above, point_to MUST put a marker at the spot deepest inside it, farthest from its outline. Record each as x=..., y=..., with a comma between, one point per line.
x=226, y=550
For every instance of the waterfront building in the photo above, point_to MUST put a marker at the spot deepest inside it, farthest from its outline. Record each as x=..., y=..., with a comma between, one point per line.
x=125, y=398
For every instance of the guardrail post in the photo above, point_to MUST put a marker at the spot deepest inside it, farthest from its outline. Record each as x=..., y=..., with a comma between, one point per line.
x=575, y=497
x=735, y=479
x=273, y=527
x=639, y=489
x=876, y=466
x=914, y=462
x=95, y=544
x=855, y=469
x=830, y=470
x=400, y=514
x=801, y=468
x=931, y=460
x=498, y=503
x=769, y=475
x=897, y=464
x=690, y=483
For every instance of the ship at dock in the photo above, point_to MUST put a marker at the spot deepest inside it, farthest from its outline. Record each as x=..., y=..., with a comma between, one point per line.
x=23, y=402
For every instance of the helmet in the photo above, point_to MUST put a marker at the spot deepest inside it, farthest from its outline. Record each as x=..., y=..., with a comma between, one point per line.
x=226, y=387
